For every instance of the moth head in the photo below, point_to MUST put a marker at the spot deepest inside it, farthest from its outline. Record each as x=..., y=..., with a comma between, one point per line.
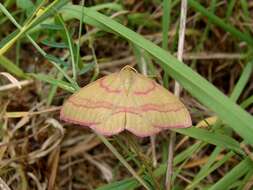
x=127, y=76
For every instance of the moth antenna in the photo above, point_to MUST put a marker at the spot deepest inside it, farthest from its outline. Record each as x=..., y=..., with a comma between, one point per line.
x=128, y=67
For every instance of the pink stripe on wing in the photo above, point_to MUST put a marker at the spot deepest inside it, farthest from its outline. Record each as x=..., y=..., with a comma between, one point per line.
x=80, y=122
x=92, y=125
x=145, y=92
x=108, y=88
x=88, y=103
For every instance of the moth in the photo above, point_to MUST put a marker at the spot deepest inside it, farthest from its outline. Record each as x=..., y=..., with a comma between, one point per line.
x=126, y=100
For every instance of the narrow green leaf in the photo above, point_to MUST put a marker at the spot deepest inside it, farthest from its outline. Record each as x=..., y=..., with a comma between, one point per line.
x=8, y=38
x=143, y=19
x=11, y=67
x=53, y=90
x=26, y=5
x=50, y=10
x=245, y=8
x=166, y=22
x=165, y=37
x=51, y=27
x=218, y=21
x=127, y=184
x=86, y=68
x=52, y=58
x=238, y=171
x=73, y=11
x=70, y=46
x=206, y=169
x=54, y=44
x=246, y=180
x=231, y=5
x=52, y=80
x=188, y=151
x=214, y=167
x=111, y=6
x=240, y=85
x=246, y=103
x=212, y=138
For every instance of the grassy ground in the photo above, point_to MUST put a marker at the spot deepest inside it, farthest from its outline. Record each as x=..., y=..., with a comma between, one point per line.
x=51, y=49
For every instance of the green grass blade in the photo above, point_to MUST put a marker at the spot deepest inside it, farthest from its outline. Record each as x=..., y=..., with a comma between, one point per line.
x=54, y=44
x=46, y=13
x=55, y=5
x=165, y=26
x=52, y=26
x=180, y=157
x=246, y=103
x=245, y=8
x=11, y=67
x=111, y=6
x=71, y=48
x=123, y=161
x=238, y=171
x=74, y=11
x=240, y=85
x=52, y=80
x=209, y=163
x=78, y=56
x=210, y=170
x=53, y=90
x=50, y=10
x=212, y=138
x=231, y=5
x=57, y=64
x=127, y=184
x=205, y=170
x=245, y=181
x=219, y=22
x=166, y=22
x=8, y=38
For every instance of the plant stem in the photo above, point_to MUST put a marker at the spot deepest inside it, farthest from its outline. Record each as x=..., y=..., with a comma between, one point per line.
x=122, y=160
x=169, y=172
